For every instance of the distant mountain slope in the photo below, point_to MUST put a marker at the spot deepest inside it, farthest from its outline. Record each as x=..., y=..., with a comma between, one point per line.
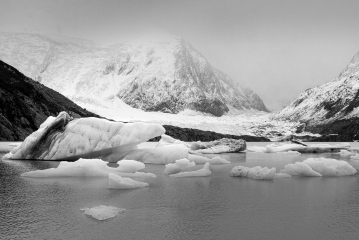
x=167, y=76
x=331, y=107
x=25, y=104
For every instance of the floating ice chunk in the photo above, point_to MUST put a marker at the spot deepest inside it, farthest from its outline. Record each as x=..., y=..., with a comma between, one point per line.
x=201, y=159
x=102, y=212
x=354, y=163
x=203, y=172
x=289, y=152
x=85, y=168
x=118, y=182
x=346, y=154
x=168, y=140
x=317, y=167
x=300, y=168
x=130, y=166
x=282, y=175
x=178, y=166
x=257, y=172
x=313, y=148
x=330, y=167
x=160, y=155
x=355, y=157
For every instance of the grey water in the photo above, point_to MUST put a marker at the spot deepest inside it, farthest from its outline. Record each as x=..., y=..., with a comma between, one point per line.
x=214, y=207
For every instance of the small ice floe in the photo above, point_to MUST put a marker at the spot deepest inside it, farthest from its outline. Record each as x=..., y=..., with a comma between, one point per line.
x=91, y=168
x=313, y=148
x=178, y=166
x=203, y=172
x=257, y=172
x=317, y=167
x=282, y=175
x=102, y=212
x=117, y=182
x=346, y=154
x=201, y=159
x=355, y=157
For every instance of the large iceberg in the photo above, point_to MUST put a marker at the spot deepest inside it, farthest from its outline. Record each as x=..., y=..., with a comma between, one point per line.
x=317, y=167
x=117, y=182
x=257, y=172
x=313, y=148
x=62, y=138
x=91, y=168
x=203, y=172
x=102, y=212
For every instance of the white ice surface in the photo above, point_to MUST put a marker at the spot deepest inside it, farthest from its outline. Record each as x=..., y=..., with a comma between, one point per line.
x=317, y=167
x=85, y=135
x=102, y=212
x=88, y=168
x=203, y=172
x=198, y=159
x=159, y=155
x=178, y=166
x=117, y=182
x=300, y=168
x=276, y=148
x=330, y=167
x=257, y=172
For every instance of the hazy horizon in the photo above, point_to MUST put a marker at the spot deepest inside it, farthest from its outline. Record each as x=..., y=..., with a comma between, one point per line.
x=277, y=48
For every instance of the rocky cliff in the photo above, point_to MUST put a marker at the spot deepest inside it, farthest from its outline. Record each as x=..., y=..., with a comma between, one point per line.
x=25, y=104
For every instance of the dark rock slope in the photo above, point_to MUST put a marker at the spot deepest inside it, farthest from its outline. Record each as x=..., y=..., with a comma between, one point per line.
x=25, y=104
x=191, y=135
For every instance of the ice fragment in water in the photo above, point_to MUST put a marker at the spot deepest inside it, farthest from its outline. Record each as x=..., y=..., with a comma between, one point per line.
x=90, y=168
x=257, y=172
x=317, y=167
x=203, y=172
x=102, y=212
x=178, y=166
x=118, y=182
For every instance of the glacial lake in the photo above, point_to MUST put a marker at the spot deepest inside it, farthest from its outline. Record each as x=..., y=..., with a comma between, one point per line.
x=214, y=207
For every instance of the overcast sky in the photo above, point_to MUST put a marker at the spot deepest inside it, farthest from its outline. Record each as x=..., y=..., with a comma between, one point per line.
x=276, y=47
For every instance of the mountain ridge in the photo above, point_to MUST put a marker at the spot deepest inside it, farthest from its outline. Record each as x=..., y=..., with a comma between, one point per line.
x=167, y=76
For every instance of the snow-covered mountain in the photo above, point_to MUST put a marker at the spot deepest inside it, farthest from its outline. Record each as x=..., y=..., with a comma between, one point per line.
x=167, y=76
x=330, y=102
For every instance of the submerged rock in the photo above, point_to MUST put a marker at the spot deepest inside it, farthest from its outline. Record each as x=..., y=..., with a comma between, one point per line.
x=224, y=145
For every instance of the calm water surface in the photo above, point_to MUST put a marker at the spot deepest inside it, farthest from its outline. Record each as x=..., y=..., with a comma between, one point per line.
x=215, y=207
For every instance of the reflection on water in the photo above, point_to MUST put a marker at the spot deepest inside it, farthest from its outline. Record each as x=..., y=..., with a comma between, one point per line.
x=215, y=207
